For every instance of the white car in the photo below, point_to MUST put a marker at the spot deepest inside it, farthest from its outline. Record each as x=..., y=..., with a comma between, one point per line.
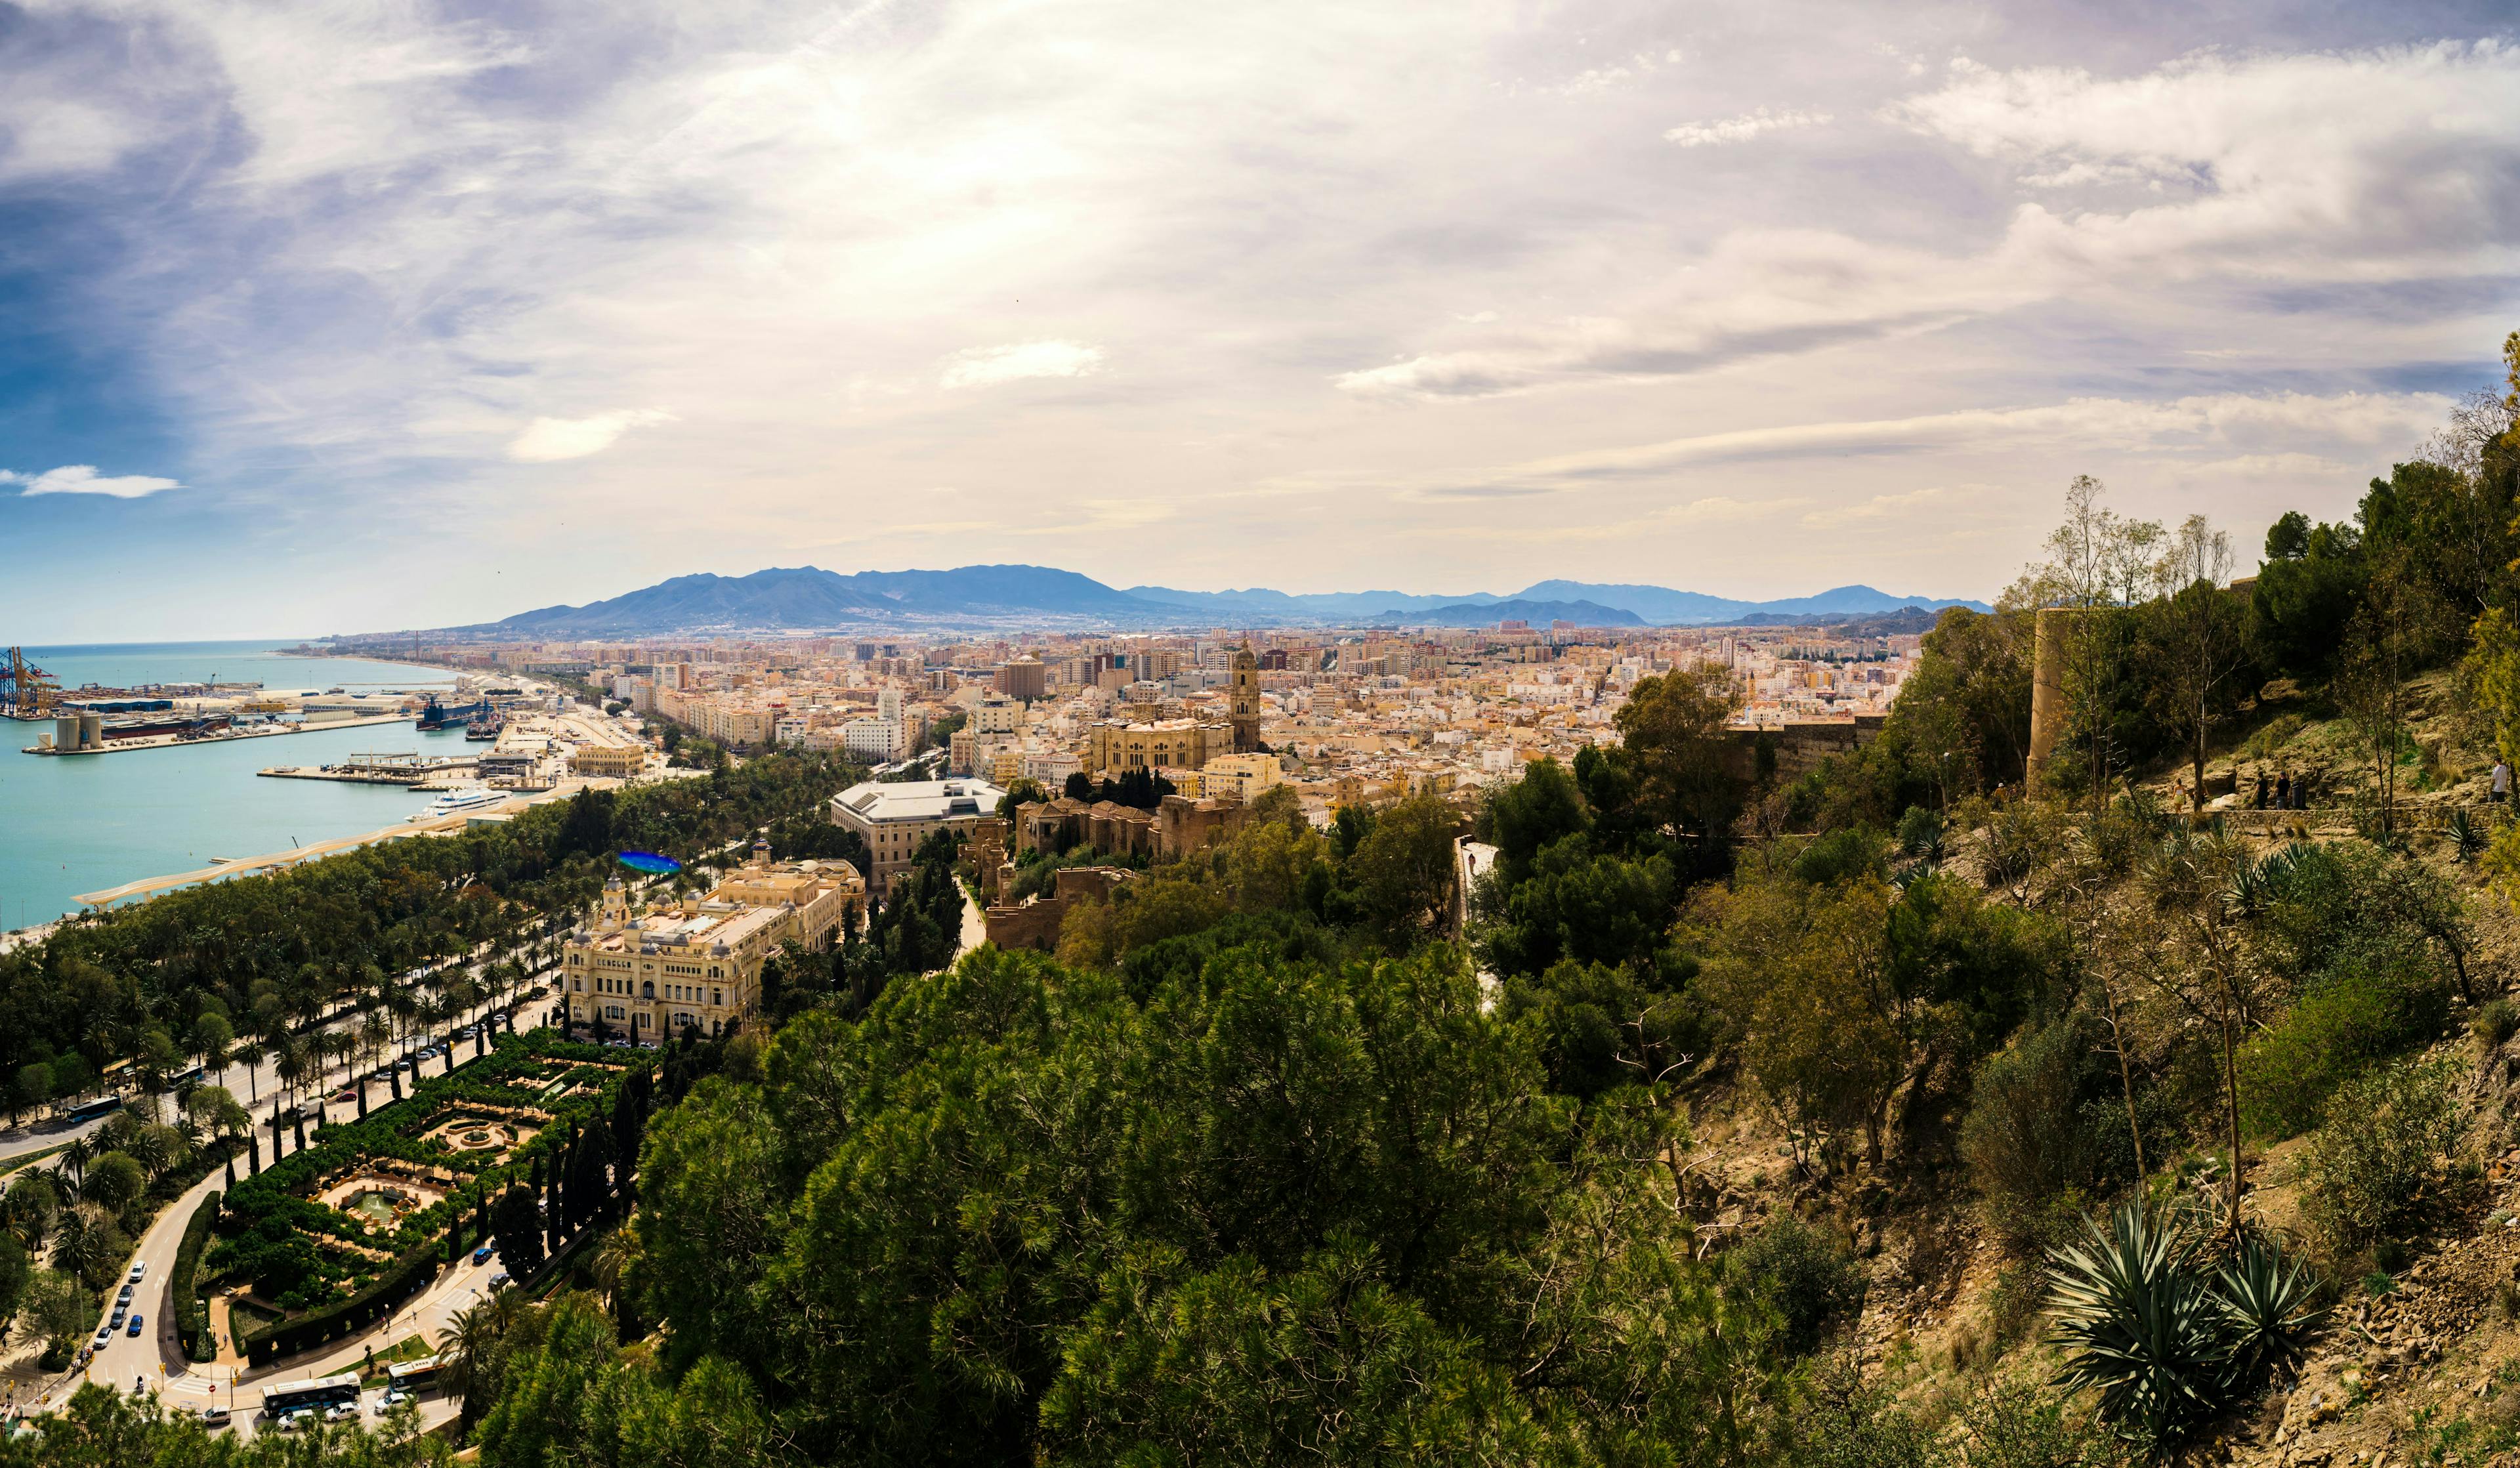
x=342, y=1411
x=139, y=1269
x=104, y=1333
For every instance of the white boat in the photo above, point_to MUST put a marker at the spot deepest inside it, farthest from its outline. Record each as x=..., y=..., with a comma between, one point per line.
x=456, y=802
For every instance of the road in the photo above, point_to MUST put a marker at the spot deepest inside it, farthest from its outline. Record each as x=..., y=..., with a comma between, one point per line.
x=152, y=1359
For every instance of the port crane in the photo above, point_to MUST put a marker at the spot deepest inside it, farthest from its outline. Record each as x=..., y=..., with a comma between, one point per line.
x=26, y=691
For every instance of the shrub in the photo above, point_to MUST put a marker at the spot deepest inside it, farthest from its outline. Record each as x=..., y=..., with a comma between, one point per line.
x=1839, y=855
x=2381, y=1155
x=2028, y=1136
x=1803, y=1273
x=2364, y=1013
x=2494, y=1023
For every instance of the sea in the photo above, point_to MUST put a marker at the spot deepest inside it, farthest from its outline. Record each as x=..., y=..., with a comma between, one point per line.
x=74, y=826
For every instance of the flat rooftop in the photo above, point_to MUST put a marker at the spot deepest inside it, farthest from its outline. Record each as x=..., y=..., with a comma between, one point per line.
x=919, y=799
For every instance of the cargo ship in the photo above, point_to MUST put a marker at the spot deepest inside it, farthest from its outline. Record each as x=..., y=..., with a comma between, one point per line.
x=484, y=728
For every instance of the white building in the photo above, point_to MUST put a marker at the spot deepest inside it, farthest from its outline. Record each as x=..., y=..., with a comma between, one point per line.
x=895, y=817
x=875, y=740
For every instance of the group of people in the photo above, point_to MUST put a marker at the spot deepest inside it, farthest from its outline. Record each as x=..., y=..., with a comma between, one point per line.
x=2289, y=794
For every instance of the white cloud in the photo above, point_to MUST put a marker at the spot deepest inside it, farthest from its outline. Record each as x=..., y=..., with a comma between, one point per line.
x=2211, y=171
x=546, y=439
x=986, y=365
x=355, y=252
x=1743, y=128
x=83, y=479
x=2382, y=422
x=1877, y=507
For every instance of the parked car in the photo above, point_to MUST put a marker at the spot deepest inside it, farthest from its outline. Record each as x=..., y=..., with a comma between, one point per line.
x=135, y=1325
x=124, y=1294
x=394, y=1396
x=342, y=1411
x=481, y=1255
x=115, y=1319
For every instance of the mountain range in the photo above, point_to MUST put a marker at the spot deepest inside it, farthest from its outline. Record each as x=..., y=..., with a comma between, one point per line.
x=810, y=599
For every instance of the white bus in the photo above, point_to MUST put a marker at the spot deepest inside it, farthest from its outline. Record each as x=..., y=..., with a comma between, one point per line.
x=280, y=1400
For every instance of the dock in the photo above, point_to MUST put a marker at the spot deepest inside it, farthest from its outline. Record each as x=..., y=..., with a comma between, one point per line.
x=409, y=770
x=229, y=736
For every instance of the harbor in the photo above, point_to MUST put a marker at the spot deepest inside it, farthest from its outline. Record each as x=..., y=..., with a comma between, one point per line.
x=80, y=826
x=88, y=734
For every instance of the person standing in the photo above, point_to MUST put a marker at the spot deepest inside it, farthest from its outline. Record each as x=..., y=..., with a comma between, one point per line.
x=2500, y=790
x=2262, y=790
x=2283, y=792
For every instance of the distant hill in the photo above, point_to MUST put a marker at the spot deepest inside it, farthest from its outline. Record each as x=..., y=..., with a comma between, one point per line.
x=811, y=598
x=1488, y=613
x=1301, y=607
x=1665, y=607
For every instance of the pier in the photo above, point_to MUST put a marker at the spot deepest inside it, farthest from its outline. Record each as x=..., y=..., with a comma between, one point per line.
x=407, y=770
x=226, y=735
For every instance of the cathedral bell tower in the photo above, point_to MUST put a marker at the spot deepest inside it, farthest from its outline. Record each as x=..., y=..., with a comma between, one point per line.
x=1244, y=701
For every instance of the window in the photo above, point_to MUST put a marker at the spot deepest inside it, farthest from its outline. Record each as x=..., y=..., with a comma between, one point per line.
x=715, y=999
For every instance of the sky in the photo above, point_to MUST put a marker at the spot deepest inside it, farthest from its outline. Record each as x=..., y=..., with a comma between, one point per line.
x=341, y=317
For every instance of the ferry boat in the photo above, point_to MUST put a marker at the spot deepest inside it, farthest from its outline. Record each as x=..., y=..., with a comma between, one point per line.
x=456, y=802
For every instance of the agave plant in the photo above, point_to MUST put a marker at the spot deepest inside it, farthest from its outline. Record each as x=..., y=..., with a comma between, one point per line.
x=2139, y=1325
x=2148, y=1320
x=2468, y=838
x=2272, y=1305
x=2246, y=893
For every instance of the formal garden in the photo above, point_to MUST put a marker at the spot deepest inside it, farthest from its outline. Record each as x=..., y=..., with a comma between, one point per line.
x=517, y=1147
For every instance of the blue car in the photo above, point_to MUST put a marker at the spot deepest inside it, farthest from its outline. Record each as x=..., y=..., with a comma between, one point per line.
x=135, y=1325
x=481, y=1255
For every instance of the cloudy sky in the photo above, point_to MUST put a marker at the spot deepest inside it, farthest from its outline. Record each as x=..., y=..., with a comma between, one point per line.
x=344, y=315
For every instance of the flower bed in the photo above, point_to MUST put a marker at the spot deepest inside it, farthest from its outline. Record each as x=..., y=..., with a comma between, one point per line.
x=310, y=1256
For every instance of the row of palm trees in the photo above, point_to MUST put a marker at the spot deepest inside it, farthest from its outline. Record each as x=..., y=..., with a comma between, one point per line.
x=389, y=1019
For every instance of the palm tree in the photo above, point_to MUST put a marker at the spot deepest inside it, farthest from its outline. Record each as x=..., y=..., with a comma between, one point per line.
x=77, y=1156
x=375, y=1033
x=616, y=1264
x=470, y=1339
x=293, y=1065
x=251, y=1055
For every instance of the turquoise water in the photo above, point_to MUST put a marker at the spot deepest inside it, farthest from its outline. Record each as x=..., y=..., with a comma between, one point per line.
x=72, y=825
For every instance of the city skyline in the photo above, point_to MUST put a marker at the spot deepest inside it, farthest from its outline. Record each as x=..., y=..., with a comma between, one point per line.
x=424, y=318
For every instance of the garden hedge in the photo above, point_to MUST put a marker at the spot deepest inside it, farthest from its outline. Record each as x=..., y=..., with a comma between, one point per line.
x=192, y=1317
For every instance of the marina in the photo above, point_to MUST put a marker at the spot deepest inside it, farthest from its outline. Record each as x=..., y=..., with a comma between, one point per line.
x=80, y=826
